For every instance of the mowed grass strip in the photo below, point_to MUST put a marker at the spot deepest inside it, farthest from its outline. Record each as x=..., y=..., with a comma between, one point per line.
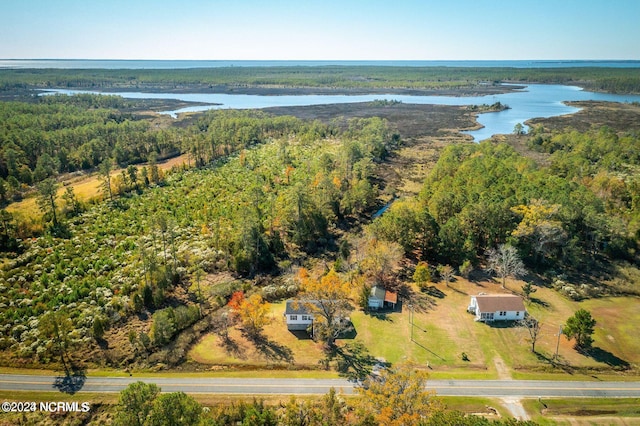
x=476, y=405
x=584, y=411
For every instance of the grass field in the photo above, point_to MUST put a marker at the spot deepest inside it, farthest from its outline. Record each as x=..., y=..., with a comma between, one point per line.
x=584, y=411
x=279, y=349
x=87, y=187
x=476, y=405
x=443, y=330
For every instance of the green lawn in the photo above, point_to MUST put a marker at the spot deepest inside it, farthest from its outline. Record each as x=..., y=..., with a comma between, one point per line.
x=475, y=405
x=443, y=330
x=587, y=411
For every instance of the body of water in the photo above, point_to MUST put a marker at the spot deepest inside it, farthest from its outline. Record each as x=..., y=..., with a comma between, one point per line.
x=175, y=64
x=535, y=101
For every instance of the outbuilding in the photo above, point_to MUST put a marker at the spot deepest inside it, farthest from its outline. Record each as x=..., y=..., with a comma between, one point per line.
x=380, y=298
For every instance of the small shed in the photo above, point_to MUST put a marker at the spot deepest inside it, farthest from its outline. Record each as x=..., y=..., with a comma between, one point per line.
x=390, y=299
x=497, y=307
x=380, y=298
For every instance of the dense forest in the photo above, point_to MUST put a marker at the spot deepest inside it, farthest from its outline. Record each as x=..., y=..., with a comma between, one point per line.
x=61, y=134
x=582, y=209
x=616, y=80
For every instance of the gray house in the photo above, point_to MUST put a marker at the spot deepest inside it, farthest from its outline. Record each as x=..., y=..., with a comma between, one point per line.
x=297, y=315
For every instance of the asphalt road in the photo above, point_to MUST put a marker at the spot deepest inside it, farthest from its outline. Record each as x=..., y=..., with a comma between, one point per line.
x=247, y=386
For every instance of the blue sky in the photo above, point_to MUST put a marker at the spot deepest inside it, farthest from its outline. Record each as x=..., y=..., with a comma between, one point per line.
x=327, y=29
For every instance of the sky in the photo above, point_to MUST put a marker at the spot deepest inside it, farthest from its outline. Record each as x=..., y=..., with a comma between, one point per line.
x=320, y=30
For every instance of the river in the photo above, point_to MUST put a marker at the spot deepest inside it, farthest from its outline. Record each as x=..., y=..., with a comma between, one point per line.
x=534, y=101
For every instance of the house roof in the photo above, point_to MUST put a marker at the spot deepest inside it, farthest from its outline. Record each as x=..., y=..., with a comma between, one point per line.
x=296, y=307
x=377, y=293
x=499, y=302
x=391, y=297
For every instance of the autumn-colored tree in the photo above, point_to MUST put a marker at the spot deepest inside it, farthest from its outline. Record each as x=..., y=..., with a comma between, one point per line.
x=253, y=313
x=287, y=172
x=328, y=299
x=611, y=189
x=297, y=413
x=398, y=396
x=381, y=260
x=333, y=408
x=236, y=300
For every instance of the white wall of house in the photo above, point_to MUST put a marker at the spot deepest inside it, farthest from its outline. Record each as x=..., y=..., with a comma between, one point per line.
x=508, y=315
x=299, y=321
x=499, y=315
x=473, y=304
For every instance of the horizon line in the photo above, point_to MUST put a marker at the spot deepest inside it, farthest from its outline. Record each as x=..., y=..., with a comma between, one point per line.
x=330, y=60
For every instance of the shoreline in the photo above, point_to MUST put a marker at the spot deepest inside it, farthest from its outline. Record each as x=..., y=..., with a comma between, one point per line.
x=480, y=90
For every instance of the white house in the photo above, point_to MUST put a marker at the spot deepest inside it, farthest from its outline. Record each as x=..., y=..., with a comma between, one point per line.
x=497, y=307
x=297, y=316
x=379, y=297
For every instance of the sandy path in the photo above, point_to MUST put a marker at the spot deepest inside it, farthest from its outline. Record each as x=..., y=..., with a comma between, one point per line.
x=512, y=404
x=515, y=408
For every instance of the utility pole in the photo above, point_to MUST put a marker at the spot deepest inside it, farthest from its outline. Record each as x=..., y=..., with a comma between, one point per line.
x=411, y=319
x=412, y=323
x=558, y=344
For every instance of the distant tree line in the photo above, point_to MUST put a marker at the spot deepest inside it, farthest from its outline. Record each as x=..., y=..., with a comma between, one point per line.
x=62, y=134
x=618, y=80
